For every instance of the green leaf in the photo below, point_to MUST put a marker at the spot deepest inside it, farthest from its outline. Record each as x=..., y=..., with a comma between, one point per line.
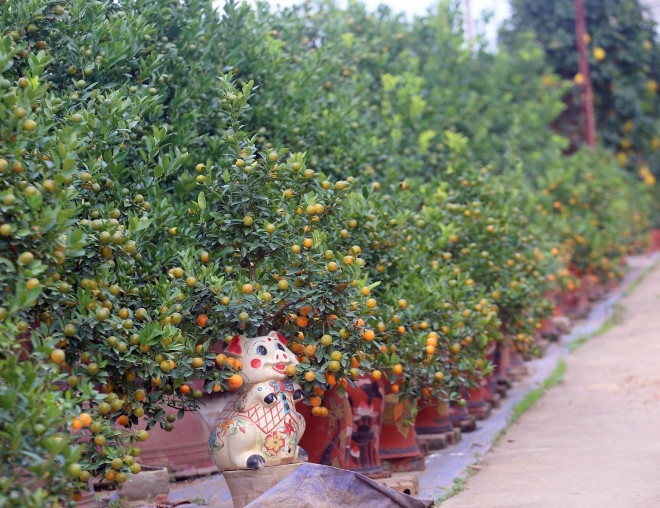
x=133, y=223
x=78, y=239
x=34, y=202
x=143, y=224
x=68, y=164
x=348, y=39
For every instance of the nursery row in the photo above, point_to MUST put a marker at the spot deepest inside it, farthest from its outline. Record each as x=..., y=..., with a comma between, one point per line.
x=372, y=431
x=389, y=200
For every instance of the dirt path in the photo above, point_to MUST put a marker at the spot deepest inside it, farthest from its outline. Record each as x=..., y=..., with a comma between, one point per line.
x=593, y=440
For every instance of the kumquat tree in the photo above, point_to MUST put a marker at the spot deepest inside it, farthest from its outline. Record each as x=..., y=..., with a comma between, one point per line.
x=387, y=197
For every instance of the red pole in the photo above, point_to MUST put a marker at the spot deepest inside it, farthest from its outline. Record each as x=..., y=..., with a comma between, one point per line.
x=583, y=65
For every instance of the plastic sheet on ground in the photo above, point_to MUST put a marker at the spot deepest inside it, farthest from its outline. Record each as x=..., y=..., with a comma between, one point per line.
x=317, y=486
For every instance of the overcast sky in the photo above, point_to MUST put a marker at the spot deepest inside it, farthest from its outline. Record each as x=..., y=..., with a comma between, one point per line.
x=499, y=8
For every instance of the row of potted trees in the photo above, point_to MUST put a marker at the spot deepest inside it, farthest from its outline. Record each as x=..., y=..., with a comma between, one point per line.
x=374, y=430
x=151, y=211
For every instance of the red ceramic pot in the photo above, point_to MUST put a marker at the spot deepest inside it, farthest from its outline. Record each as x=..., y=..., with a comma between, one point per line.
x=548, y=329
x=433, y=418
x=575, y=303
x=502, y=361
x=591, y=286
x=184, y=450
x=367, y=400
x=87, y=499
x=655, y=240
x=477, y=400
x=327, y=440
x=516, y=358
x=491, y=394
x=461, y=418
x=398, y=439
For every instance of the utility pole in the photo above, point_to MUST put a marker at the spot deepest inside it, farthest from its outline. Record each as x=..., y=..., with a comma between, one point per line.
x=587, y=94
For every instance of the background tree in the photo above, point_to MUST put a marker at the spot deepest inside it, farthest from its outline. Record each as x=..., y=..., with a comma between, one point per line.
x=623, y=60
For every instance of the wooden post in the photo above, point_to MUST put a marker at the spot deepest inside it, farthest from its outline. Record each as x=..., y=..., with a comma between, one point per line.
x=583, y=65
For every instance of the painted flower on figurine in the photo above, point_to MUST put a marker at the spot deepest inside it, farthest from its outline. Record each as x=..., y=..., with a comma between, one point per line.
x=225, y=427
x=288, y=428
x=215, y=442
x=274, y=442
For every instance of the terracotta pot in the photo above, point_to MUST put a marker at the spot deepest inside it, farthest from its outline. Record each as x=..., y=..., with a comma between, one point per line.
x=87, y=499
x=477, y=400
x=549, y=330
x=502, y=361
x=433, y=418
x=398, y=439
x=492, y=394
x=516, y=358
x=592, y=288
x=327, y=440
x=146, y=486
x=367, y=400
x=461, y=418
x=184, y=451
x=655, y=240
x=575, y=303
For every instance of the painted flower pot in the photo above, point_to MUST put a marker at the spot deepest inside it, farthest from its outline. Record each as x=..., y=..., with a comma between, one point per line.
x=86, y=498
x=477, y=400
x=433, y=418
x=327, y=440
x=575, y=303
x=399, y=449
x=461, y=418
x=255, y=441
x=502, y=361
x=146, y=486
x=367, y=400
x=184, y=450
x=655, y=240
